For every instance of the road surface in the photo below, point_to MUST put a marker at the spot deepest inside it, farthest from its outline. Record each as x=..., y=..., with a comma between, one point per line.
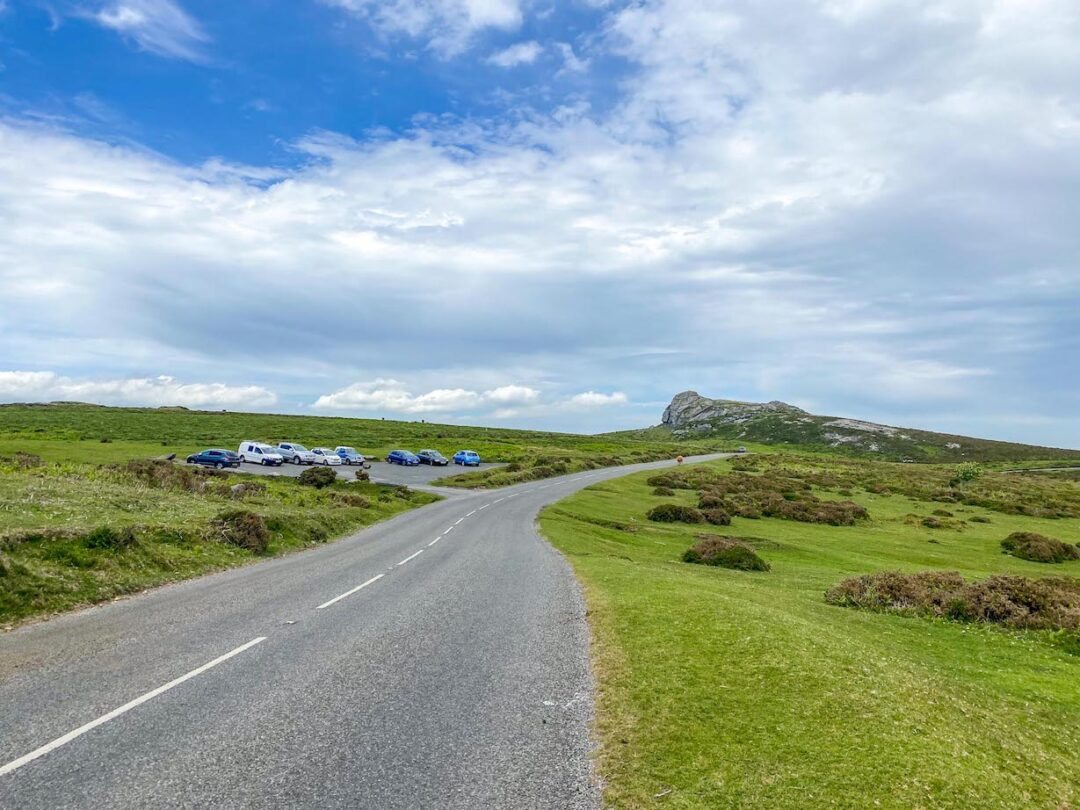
x=437, y=660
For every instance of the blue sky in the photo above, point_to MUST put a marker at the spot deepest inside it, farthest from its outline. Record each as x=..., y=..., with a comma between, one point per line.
x=545, y=214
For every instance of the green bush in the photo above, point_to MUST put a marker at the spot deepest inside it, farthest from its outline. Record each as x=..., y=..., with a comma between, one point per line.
x=663, y=492
x=674, y=513
x=1037, y=548
x=726, y=552
x=318, y=477
x=243, y=529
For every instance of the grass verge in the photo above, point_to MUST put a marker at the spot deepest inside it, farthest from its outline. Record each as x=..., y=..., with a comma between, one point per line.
x=75, y=534
x=725, y=688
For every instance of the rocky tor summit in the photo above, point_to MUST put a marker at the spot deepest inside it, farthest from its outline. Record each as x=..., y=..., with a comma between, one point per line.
x=690, y=415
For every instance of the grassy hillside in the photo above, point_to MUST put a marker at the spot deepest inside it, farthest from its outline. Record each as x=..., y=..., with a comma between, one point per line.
x=691, y=416
x=729, y=688
x=74, y=534
x=96, y=434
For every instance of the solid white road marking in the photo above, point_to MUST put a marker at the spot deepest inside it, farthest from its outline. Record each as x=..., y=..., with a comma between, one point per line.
x=411, y=556
x=348, y=593
x=105, y=718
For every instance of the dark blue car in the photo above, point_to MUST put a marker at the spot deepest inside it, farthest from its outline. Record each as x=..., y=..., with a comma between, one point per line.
x=403, y=457
x=215, y=458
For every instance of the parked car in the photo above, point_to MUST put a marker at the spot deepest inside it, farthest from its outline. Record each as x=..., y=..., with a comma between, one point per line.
x=741, y=450
x=432, y=457
x=296, y=453
x=402, y=457
x=467, y=458
x=259, y=453
x=215, y=458
x=324, y=455
x=348, y=455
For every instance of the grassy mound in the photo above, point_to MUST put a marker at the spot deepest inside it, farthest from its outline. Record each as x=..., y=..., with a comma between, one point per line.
x=317, y=477
x=726, y=552
x=1052, y=603
x=1039, y=548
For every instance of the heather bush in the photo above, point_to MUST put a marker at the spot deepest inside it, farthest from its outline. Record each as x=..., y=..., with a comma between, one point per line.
x=162, y=474
x=663, y=492
x=318, y=477
x=717, y=517
x=674, y=513
x=242, y=528
x=1049, y=603
x=1037, y=548
x=726, y=552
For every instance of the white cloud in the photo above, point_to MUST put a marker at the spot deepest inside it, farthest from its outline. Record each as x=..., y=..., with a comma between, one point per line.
x=392, y=396
x=572, y=63
x=592, y=399
x=158, y=26
x=446, y=25
x=522, y=53
x=40, y=386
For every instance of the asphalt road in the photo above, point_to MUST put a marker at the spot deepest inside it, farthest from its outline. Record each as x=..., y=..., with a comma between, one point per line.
x=437, y=660
x=422, y=475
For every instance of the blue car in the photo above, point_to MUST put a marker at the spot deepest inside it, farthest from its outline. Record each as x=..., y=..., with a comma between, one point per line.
x=467, y=458
x=215, y=458
x=402, y=457
x=350, y=456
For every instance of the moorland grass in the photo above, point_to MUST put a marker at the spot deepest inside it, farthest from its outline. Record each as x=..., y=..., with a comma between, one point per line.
x=721, y=688
x=75, y=534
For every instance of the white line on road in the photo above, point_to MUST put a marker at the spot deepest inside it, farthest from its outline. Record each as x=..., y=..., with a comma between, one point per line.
x=348, y=593
x=499, y=500
x=411, y=556
x=448, y=530
x=485, y=506
x=436, y=540
x=473, y=512
x=456, y=522
x=105, y=718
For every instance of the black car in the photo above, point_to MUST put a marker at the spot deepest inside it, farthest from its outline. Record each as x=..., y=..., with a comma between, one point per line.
x=432, y=457
x=215, y=458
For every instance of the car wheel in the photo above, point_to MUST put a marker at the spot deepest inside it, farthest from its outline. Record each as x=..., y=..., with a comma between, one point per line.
x=218, y=466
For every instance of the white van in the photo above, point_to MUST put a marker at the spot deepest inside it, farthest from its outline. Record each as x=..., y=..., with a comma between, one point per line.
x=259, y=453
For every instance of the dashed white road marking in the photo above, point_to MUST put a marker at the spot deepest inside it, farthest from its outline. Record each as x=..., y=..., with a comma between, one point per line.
x=436, y=540
x=456, y=522
x=448, y=530
x=473, y=512
x=499, y=500
x=325, y=605
x=411, y=556
x=15, y=764
x=485, y=506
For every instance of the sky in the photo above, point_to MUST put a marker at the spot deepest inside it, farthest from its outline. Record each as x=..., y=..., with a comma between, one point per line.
x=546, y=214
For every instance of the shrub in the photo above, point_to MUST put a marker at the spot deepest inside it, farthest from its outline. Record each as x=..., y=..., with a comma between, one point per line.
x=348, y=499
x=107, y=538
x=362, y=475
x=717, y=517
x=980, y=519
x=726, y=552
x=1046, y=603
x=674, y=513
x=942, y=513
x=161, y=474
x=1037, y=548
x=244, y=529
x=23, y=461
x=318, y=477
x=932, y=523
x=663, y=492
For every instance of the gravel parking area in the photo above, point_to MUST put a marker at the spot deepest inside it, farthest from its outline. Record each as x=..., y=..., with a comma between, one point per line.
x=380, y=471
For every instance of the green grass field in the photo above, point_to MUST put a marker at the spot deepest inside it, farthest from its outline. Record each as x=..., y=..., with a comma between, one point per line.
x=95, y=434
x=723, y=688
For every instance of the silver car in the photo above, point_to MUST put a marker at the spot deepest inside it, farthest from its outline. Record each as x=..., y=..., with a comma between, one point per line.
x=296, y=453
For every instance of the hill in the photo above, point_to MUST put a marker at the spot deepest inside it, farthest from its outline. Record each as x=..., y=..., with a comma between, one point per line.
x=692, y=416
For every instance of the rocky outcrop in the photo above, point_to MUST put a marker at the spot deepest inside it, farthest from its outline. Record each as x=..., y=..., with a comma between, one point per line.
x=690, y=409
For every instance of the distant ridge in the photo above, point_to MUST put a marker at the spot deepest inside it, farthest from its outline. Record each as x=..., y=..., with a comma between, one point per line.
x=691, y=415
